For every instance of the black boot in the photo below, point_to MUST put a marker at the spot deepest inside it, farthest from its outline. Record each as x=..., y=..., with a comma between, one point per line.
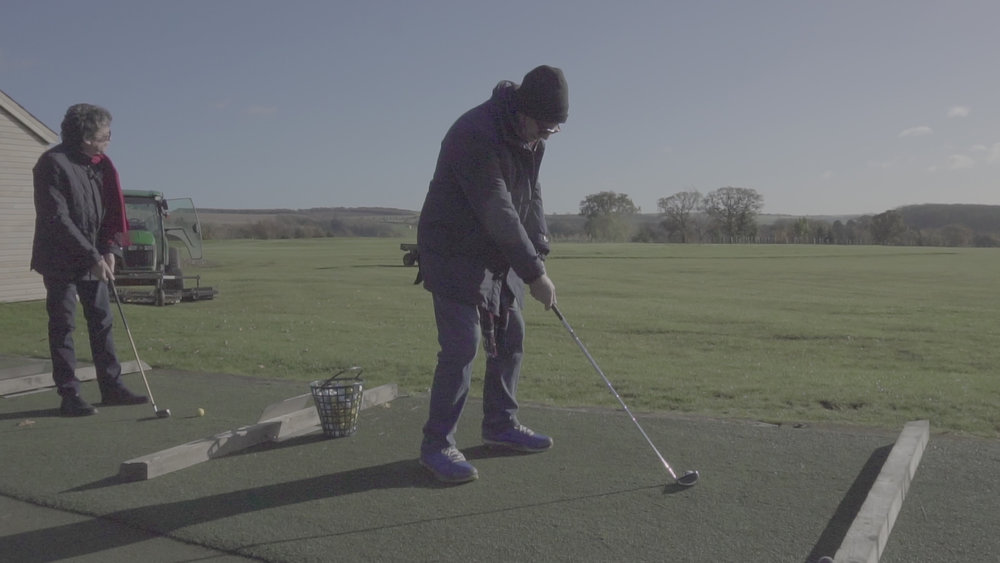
x=122, y=396
x=74, y=405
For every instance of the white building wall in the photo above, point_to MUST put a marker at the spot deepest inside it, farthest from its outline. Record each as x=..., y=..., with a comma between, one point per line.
x=20, y=147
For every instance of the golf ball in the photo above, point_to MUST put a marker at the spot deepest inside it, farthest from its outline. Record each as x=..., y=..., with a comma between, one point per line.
x=201, y=411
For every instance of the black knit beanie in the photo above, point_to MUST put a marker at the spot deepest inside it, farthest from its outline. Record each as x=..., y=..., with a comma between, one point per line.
x=544, y=95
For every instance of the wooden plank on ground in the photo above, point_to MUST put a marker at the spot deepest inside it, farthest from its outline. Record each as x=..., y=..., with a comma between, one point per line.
x=12, y=367
x=379, y=395
x=25, y=382
x=308, y=421
x=186, y=455
x=294, y=423
x=305, y=400
x=286, y=406
x=868, y=534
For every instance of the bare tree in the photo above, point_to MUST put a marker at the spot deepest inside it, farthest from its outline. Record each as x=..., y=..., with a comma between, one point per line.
x=677, y=211
x=734, y=211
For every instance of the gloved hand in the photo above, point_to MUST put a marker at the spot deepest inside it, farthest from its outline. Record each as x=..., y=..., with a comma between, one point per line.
x=544, y=291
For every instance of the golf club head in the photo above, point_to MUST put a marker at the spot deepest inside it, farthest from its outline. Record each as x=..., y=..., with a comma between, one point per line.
x=688, y=479
x=162, y=413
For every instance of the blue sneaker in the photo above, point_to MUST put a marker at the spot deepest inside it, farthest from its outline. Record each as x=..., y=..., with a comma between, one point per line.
x=449, y=466
x=520, y=438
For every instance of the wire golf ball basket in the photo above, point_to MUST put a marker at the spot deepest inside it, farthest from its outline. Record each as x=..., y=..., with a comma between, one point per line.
x=338, y=402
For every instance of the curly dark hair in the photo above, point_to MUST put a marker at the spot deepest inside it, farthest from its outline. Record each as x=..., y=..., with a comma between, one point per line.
x=82, y=121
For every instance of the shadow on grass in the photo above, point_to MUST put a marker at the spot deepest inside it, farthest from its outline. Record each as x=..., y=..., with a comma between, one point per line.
x=483, y=451
x=461, y=516
x=836, y=529
x=83, y=538
x=366, y=266
x=38, y=413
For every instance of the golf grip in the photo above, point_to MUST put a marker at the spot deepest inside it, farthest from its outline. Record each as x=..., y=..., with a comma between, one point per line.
x=111, y=285
x=612, y=388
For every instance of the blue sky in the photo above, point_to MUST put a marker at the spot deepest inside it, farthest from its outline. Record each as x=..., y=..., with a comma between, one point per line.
x=823, y=107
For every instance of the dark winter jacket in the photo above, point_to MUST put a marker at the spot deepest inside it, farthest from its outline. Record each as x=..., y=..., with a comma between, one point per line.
x=482, y=225
x=73, y=228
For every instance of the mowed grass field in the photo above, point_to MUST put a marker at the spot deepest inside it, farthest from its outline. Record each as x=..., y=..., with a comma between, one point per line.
x=864, y=335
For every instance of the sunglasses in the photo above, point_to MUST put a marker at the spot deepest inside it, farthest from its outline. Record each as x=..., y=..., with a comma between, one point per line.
x=546, y=128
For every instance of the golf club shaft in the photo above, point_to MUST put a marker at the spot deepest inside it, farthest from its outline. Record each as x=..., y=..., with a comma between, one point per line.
x=111, y=285
x=612, y=388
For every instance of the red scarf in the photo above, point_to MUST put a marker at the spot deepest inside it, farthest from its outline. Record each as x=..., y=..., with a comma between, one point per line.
x=115, y=227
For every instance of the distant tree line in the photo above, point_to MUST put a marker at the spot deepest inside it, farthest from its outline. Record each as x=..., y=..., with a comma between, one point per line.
x=726, y=215
x=731, y=215
x=307, y=223
x=295, y=227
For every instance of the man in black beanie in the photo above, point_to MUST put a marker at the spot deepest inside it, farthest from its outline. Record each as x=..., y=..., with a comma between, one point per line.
x=481, y=237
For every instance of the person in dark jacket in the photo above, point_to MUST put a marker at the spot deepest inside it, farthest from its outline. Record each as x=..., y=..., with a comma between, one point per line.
x=482, y=237
x=80, y=224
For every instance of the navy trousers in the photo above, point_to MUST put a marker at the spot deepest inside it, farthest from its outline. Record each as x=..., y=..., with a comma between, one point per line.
x=459, y=337
x=60, y=302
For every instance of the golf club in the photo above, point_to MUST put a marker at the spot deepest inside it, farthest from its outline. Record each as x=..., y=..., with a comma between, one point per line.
x=690, y=477
x=164, y=413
